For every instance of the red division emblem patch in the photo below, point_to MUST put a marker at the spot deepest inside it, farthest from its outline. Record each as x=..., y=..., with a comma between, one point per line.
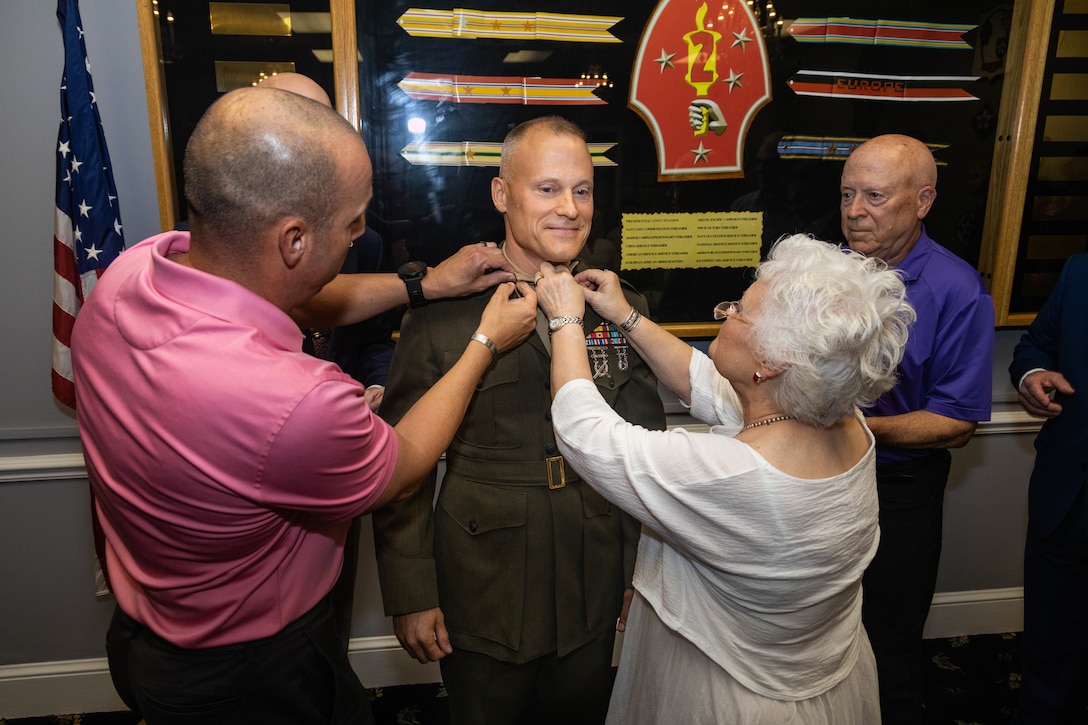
x=698, y=80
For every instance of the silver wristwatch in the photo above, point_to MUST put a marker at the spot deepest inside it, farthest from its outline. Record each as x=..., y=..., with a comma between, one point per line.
x=556, y=322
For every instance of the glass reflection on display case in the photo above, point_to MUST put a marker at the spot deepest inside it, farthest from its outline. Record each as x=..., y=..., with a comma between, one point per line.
x=718, y=126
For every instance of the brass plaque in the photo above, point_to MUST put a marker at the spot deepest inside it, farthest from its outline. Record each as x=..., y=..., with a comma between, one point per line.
x=1069, y=87
x=1066, y=128
x=250, y=19
x=1063, y=168
x=1072, y=43
x=231, y=74
x=1056, y=246
x=1059, y=208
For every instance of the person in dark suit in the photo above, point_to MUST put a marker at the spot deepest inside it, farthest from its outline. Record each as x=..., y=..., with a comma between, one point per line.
x=1048, y=366
x=514, y=581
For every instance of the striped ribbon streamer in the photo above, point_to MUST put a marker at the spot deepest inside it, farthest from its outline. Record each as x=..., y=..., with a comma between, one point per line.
x=830, y=148
x=948, y=36
x=476, y=153
x=835, y=84
x=465, y=23
x=500, y=89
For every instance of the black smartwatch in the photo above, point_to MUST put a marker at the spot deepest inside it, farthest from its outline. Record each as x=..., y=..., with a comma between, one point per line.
x=413, y=273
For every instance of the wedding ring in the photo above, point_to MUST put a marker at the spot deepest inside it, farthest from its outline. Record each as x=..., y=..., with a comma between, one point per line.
x=538, y=277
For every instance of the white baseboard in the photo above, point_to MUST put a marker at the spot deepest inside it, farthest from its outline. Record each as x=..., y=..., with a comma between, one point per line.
x=78, y=686
x=983, y=611
x=57, y=688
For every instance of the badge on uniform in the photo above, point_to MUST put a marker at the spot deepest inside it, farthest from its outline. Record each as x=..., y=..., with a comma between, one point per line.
x=606, y=335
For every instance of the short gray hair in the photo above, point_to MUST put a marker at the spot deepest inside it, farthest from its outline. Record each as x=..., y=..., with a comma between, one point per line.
x=835, y=322
x=556, y=124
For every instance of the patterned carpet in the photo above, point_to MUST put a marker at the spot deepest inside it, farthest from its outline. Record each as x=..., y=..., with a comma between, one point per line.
x=969, y=681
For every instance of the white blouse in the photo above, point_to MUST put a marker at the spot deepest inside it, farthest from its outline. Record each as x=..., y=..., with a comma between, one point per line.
x=758, y=569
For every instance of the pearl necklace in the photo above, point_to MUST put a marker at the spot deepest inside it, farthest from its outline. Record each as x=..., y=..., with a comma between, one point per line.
x=766, y=421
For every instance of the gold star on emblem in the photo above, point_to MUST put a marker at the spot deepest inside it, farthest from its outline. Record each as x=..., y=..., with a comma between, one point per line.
x=734, y=80
x=740, y=39
x=665, y=60
x=701, y=154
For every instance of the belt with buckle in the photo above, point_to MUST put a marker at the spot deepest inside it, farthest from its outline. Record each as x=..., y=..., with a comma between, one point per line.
x=552, y=471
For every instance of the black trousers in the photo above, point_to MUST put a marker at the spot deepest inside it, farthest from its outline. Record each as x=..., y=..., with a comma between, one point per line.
x=1054, y=646
x=299, y=675
x=898, y=586
x=571, y=690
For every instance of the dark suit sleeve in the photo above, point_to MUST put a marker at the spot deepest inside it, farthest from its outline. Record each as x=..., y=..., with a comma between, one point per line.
x=1038, y=348
x=364, y=350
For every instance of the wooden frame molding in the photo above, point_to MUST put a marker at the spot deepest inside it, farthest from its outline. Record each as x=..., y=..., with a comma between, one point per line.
x=157, y=113
x=1011, y=166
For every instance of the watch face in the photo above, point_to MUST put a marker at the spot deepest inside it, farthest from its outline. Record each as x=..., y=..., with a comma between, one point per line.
x=412, y=269
x=553, y=324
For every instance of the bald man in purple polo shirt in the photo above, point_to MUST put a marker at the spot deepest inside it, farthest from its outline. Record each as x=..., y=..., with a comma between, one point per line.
x=888, y=187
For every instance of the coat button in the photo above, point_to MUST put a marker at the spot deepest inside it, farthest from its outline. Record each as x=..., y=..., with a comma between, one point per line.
x=551, y=449
x=548, y=416
x=472, y=526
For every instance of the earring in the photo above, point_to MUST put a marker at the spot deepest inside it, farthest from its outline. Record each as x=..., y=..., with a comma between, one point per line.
x=757, y=378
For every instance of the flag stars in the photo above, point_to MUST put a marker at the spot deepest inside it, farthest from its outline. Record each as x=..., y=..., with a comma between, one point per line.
x=740, y=39
x=64, y=148
x=117, y=226
x=665, y=60
x=84, y=208
x=76, y=163
x=93, y=252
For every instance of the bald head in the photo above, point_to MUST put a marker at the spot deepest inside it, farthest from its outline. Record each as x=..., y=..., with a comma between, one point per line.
x=261, y=154
x=912, y=159
x=300, y=84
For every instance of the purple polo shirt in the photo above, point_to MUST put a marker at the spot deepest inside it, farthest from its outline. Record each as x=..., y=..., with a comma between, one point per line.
x=947, y=368
x=226, y=463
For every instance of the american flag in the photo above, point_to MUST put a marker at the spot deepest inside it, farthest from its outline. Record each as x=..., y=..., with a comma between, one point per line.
x=87, y=224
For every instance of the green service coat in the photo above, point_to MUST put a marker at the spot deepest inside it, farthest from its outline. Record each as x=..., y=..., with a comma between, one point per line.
x=519, y=569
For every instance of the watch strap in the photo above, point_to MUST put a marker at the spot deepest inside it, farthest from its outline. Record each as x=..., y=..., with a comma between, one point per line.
x=415, y=291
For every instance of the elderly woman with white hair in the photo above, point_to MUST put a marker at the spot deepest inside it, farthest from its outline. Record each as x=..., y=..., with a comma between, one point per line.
x=755, y=533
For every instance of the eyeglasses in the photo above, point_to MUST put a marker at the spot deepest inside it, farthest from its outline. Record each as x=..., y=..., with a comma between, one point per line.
x=729, y=311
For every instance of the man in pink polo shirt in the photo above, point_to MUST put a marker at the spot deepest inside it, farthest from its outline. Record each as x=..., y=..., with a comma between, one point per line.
x=226, y=463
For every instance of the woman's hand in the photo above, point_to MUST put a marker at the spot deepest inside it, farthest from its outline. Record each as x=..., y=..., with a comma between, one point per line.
x=604, y=294
x=507, y=320
x=557, y=292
